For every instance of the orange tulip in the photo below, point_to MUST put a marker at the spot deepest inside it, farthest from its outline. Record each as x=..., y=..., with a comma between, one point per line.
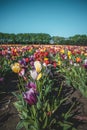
x=78, y=59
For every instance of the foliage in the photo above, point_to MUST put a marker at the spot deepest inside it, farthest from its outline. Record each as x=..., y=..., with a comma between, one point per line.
x=80, y=40
x=77, y=77
x=27, y=38
x=41, y=38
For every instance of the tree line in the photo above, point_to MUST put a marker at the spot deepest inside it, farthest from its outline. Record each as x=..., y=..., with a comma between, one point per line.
x=41, y=38
x=74, y=40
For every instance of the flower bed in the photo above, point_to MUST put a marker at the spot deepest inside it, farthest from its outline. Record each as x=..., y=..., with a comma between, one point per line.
x=47, y=76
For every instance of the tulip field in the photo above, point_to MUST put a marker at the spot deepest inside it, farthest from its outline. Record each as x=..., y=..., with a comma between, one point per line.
x=45, y=86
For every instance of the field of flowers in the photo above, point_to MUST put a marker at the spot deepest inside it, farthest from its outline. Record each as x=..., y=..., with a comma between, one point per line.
x=46, y=75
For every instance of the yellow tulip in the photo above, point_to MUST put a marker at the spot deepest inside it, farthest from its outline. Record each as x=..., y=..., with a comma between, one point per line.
x=62, y=51
x=39, y=76
x=69, y=57
x=69, y=53
x=16, y=67
x=37, y=66
x=45, y=58
x=59, y=63
x=30, y=50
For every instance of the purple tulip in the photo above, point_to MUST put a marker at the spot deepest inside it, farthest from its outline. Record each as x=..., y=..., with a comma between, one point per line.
x=31, y=85
x=85, y=63
x=64, y=56
x=32, y=63
x=22, y=62
x=30, y=96
x=31, y=58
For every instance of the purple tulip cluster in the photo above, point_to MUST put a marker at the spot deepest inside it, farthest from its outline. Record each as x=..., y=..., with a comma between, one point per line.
x=30, y=96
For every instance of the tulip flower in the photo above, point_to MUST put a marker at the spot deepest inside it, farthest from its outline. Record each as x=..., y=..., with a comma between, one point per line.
x=37, y=66
x=54, y=64
x=27, y=60
x=69, y=53
x=16, y=67
x=22, y=72
x=45, y=59
x=30, y=96
x=33, y=74
x=62, y=51
x=22, y=62
x=59, y=63
x=85, y=63
x=31, y=85
x=78, y=59
x=46, y=62
x=39, y=76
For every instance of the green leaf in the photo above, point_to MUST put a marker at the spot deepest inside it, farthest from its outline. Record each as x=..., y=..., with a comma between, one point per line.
x=39, y=104
x=65, y=125
x=26, y=124
x=33, y=110
x=32, y=128
x=44, y=115
x=48, y=107
x=18, y=96
x=24, y=114
x=53, y=121
x=18, y=105
x=47, y=90
x=63, y=100
x=20, y=125
x=15, y=94
x=45, y=122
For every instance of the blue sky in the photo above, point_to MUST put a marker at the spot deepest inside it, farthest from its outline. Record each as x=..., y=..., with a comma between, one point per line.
x=55, y=17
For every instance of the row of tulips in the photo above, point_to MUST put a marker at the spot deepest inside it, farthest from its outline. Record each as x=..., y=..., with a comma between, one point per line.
x=74, y=54
x=55, y=55
x=40, y=96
